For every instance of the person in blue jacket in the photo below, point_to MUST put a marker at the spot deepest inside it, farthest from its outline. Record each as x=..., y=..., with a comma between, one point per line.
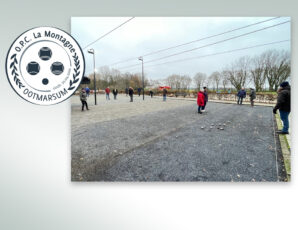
x=87, y=91
x=241, y=94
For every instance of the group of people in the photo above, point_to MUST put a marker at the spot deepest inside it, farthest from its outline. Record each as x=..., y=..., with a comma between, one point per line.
x=283, y=100
x=242, y=94
x=85, y=92
x=283, y=103
x=108, y=91
x=129, y=91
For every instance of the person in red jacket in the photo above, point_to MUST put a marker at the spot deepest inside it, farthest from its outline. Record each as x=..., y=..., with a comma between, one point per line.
x=200, y=100
x=108, y=93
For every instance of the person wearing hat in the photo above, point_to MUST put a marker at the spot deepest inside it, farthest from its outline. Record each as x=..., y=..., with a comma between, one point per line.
x=252, y=96
x=284, y=106
x=83, y=98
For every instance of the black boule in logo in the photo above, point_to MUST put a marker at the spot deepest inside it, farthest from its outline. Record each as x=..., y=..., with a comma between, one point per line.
x=33, y=68
x=57, y=68
x=45, y=53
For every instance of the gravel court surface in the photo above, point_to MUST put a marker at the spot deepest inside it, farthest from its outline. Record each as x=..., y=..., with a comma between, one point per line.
x=170, y=145
x=107, y=110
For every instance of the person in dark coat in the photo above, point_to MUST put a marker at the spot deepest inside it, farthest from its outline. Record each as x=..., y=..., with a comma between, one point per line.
x=130, y=92
x=126, y=91
x=151, y=93
x=139, y=91
x=284, y=106
x=83, y=98
x=164, y=94
x=200, y=100
x=241, y=94
x=206, y=98
x=252, y=96
x=115, y=92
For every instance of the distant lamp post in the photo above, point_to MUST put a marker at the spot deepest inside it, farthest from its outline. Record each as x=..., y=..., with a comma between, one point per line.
x=91, y=51
x=141, y=59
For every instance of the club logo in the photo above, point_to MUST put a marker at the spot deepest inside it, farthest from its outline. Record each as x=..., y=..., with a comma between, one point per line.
x=45, y=65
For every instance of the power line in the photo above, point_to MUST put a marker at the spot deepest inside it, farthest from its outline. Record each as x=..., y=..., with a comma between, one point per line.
x=219, y=53
x=197, y=40
x=214, y=43
x=210, y=44
x=108, y=32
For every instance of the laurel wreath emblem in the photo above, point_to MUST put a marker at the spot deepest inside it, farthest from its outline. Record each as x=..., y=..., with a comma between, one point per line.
x=76, y=72
x=14, y=71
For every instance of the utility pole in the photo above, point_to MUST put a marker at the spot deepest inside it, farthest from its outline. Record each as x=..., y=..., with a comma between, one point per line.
x=141, y=59
x=91, y=51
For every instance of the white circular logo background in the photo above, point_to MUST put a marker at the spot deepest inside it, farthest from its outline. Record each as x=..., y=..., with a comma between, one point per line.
x=45, y=65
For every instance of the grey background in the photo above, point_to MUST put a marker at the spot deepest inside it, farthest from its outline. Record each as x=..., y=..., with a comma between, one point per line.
x=35, y=188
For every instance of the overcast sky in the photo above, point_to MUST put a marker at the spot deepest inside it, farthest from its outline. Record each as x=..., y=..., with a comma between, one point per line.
x=143, y=35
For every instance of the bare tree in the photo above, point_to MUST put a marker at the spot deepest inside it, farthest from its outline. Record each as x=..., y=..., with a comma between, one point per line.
x=154, y=83
x=258, y=72
x=272, y=67
x=215, y=78
x=224, y=75
x=277, y=67
x=174, y=81
x=207, y=82
x=104, y=73
x=126, y=80
x=114, y=77
x=185, y=81
x=199, y=79
x=238, y=72
x=170, y=80
x=210, y=81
